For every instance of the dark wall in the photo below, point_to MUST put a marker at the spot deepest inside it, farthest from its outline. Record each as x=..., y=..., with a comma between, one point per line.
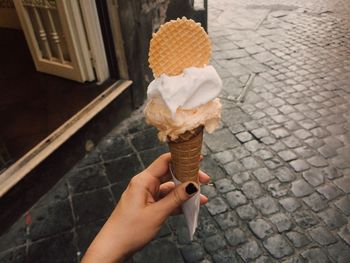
x=33, y=104
x=179, y=8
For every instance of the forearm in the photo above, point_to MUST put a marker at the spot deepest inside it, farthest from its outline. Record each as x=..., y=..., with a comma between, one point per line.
x=94, y=256
x=106, y=246
x=140, y=213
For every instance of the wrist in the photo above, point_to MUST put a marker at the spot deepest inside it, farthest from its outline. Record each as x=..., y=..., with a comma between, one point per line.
x=107, y=246
x=94, y=255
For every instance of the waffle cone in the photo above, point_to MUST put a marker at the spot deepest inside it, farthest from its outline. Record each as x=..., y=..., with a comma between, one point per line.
x=185, y=155
x=180, y=44
x=177, y=45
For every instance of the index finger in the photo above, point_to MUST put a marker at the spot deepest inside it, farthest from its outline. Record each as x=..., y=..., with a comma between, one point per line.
x=160, y=167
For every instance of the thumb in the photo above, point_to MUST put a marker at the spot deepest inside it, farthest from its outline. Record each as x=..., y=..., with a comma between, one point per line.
x=175, y=198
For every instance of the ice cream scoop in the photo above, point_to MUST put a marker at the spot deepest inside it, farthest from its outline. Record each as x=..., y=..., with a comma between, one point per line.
x=189, y=90
x=159, y=115
x=181, y=103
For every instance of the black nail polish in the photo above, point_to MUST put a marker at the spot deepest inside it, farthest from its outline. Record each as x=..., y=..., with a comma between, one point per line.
x=191, y=189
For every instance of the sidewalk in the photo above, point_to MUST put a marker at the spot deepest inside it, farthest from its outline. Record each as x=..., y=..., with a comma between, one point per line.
x=280, y=162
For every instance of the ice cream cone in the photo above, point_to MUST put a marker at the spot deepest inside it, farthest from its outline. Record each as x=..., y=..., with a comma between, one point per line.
x=185, y=155
x=183, y=100
x=177, y=45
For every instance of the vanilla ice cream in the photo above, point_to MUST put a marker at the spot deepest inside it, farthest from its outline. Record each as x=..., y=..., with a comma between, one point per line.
x=181, y=103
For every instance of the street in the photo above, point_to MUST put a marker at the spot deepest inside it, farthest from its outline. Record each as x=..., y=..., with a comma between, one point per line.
x=280, y=162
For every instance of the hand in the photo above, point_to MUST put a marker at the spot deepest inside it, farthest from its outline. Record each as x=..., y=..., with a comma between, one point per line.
x=148, y=201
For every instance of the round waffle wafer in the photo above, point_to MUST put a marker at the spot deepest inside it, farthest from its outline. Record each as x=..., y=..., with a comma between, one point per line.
x=177, y=45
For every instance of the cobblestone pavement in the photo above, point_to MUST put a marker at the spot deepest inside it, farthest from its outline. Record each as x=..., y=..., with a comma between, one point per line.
x=280, y=162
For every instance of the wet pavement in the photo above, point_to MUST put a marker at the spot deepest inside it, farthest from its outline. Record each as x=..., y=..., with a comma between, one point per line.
x=280, y=162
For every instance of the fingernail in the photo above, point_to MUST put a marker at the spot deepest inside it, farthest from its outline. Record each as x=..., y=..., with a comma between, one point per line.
x=191, y=189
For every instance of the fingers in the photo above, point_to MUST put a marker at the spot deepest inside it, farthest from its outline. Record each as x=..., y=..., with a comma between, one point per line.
x=175, y=199
x=203, y=177
x=160, y=168
x=165, y=189
x=203, y=199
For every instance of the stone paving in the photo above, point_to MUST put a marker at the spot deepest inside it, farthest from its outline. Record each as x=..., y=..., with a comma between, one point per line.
x=280, y=162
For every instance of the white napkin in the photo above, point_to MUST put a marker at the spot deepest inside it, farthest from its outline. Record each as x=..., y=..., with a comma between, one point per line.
x=190, y=209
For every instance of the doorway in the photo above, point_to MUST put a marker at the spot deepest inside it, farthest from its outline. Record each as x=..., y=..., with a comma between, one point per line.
x=57, y=69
